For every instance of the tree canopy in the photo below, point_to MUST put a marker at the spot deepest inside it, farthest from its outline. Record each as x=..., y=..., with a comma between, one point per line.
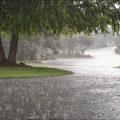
x=19, y=17
x=58, y=16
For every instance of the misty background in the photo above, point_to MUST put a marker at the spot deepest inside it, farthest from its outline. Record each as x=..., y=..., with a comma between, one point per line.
x=46, y=47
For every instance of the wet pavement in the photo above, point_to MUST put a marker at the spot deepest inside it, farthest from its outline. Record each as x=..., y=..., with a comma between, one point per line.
x=92, y=93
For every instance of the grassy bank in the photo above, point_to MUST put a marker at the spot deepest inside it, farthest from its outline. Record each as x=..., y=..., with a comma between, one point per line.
x=31, y=72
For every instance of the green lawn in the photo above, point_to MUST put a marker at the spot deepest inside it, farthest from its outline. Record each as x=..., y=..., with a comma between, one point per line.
x=31, y=72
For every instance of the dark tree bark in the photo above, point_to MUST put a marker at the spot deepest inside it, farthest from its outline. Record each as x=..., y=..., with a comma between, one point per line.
x=13, y=49
x=2, y=53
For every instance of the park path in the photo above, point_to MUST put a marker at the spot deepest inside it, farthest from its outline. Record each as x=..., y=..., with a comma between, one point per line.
x=92, y=93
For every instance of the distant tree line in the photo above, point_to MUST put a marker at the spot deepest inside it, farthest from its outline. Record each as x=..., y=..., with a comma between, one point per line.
x=76, y=44
x=48, y=46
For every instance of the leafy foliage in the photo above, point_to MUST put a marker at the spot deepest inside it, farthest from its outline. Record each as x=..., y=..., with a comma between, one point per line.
x=58, y=16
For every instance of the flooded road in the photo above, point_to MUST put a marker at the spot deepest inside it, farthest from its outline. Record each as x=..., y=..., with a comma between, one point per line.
x=92, y=93
x=103, y=63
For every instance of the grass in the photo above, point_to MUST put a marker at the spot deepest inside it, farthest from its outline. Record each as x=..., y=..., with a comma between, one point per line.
x=31, y=72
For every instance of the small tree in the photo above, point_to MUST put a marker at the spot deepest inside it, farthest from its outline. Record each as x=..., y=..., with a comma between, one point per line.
x=70, y=44
x=84, y=43
x=117, y=43
x=52, y=42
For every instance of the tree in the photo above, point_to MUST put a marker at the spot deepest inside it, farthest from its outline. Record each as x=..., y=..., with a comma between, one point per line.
x=84, y=42
x=69, y=44
x=21, y=17
x=52, y=42
x=2, y=53
x=117, y=43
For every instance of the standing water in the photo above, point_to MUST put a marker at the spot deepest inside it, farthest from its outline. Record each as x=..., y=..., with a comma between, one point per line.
x=91, y=93
x=104, y=61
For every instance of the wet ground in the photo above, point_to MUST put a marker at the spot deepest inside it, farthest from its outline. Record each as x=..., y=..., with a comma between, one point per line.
x=92, y=93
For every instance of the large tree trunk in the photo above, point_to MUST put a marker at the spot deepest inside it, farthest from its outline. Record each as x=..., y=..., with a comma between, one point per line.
x=13, y=49
x=2, y=53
